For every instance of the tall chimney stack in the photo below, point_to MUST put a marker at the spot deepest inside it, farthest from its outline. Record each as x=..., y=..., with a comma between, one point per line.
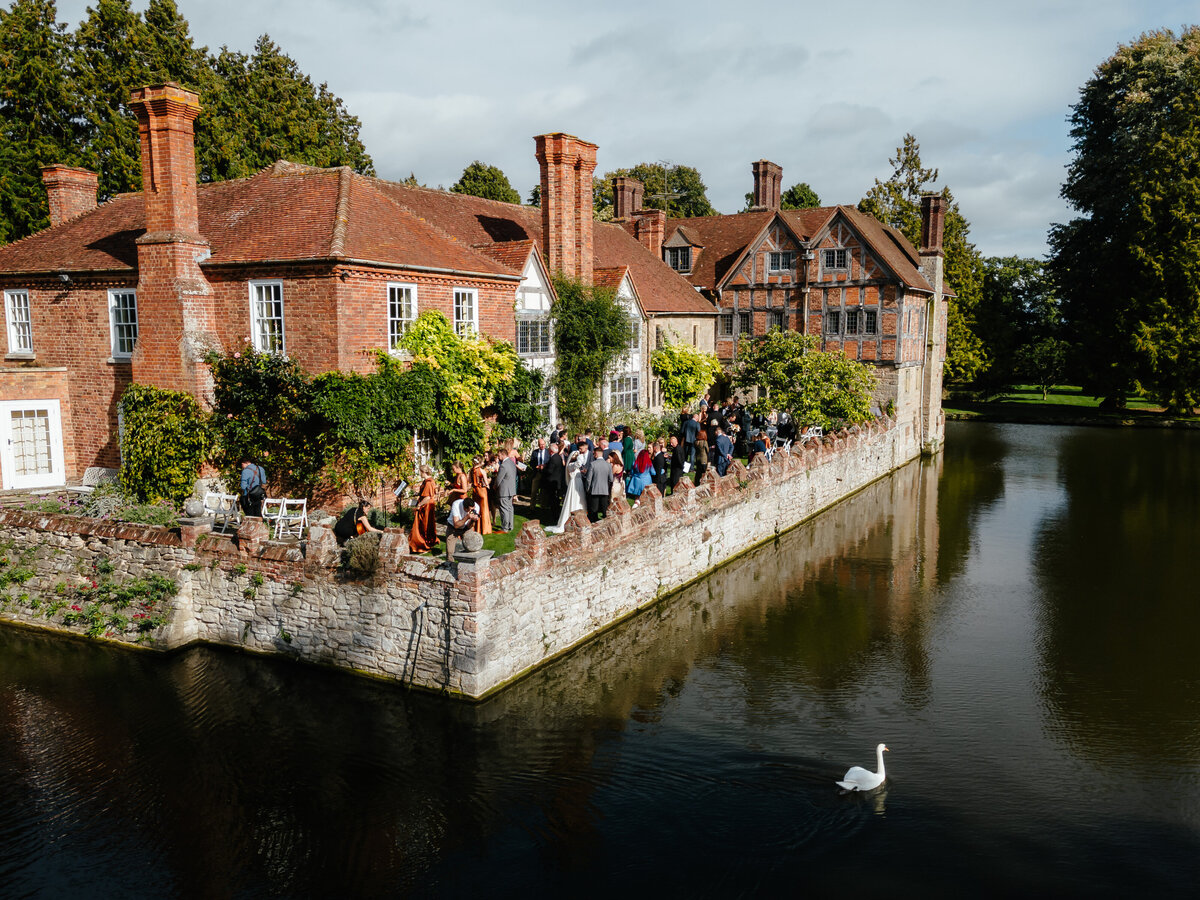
x=627, y=198
x=177, y=319
x=933, y=222
x=649, y=225
x=768, y=178
x=70, y=192
x=567, y=164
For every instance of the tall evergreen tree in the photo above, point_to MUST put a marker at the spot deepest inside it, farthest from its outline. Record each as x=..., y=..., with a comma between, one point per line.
x=897, y=202
x=109, y=54
x=481, y=180
x=40, y=118
x=1128, y=267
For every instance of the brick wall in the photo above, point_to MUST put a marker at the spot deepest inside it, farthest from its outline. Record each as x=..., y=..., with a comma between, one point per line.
x=468, y=629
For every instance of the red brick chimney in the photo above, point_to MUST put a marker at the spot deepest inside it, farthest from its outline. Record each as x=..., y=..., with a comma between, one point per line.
x=71, y=192
x=176, y=314
x=649, y=226
x=627, y=198
x=567, y=164
x=768, y=178
x=933, y=221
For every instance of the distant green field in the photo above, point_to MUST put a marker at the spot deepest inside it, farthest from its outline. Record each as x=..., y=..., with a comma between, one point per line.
x=1063, y=402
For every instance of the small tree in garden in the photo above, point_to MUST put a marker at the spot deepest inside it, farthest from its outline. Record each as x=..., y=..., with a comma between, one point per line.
x=1044, y=363
x=592, y=331
x=163, y=443
x=684, y=372
x=816, y=387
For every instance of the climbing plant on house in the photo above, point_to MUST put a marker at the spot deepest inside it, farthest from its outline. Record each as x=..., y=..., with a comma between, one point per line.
x=684, y=372
x=163, y=443
x=592, y=331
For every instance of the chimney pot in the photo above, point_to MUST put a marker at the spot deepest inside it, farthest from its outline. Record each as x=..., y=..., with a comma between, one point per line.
x=768, y=179
x=71, y=192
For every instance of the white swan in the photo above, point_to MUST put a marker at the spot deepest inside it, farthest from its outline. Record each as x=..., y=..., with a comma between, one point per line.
x=859, y=779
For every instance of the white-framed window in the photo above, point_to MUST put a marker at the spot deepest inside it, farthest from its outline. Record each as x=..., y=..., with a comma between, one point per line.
x=870, y=322
x=635, y=334
x=31, y=447
x=533, y=336
x=680, y=258
x=402, y=311
x=838, y=258
x=20, y=321
x=425, y=450
x=833, y=323
x=266, y=316
x=466, y=311
x=781, y=261
x=744, y=323
x=623, y=392
x=122, y=322
x=725, y=325
x=778, y=319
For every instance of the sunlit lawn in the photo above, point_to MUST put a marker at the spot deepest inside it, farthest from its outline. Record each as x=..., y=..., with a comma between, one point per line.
x=1062, y=401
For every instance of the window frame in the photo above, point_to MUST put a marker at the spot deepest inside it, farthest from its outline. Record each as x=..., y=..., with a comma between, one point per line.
x=725, y=325
x=459, y=322
x=835, y=253
x=256, y=321
x=398, y=325
x=833, y=317
x=787, y=257
x=17, y=329
x=114, y=335
x=853, y=317
x=745, y=318
x=624, y=386
x=543, y=339
x=679, y=258
x=870, y=322
x=778, y=319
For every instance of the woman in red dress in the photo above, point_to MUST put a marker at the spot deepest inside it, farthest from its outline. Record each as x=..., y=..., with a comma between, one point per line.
x=480, y=484
x=423, y=536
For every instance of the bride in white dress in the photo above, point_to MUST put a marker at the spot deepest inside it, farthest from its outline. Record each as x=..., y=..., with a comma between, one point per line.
x=576, y=498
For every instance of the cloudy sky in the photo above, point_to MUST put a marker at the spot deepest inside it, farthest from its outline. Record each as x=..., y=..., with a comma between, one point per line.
x=827, y=90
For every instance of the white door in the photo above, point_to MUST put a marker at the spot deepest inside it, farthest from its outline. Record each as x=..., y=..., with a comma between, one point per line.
x=31, y=447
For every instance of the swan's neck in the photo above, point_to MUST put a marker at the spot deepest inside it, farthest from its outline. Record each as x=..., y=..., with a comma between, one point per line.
x=879, y=759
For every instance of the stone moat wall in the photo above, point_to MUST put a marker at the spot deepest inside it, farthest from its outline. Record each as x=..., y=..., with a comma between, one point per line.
x=467, y=629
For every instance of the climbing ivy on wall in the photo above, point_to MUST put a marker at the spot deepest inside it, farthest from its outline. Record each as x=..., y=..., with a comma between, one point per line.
x=163, y=443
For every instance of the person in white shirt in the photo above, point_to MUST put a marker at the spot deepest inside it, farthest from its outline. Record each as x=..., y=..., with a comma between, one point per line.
x=463, y=516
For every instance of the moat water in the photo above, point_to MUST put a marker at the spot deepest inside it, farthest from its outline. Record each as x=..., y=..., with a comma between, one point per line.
x=1017, y=620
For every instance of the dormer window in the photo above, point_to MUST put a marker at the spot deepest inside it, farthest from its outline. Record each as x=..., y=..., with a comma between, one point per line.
x=836, y=259
x=680, y=258
x=781, y=261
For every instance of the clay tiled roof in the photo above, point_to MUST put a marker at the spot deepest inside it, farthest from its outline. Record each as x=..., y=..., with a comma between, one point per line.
x=295, y=212
x=609, y=278
x=725, y=238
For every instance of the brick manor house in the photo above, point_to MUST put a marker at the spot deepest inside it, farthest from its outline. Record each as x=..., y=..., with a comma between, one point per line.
x=328, y=266
x=322, y=264
x=834, y=272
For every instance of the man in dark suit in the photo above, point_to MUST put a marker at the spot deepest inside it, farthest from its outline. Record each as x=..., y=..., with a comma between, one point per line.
x=688, y=434
x=599, y=482
x=724, y=449
x=554, y=483
x=537, y=464
x=678, y=458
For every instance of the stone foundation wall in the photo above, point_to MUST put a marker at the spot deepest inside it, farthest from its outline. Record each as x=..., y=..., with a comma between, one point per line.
x=464, y=629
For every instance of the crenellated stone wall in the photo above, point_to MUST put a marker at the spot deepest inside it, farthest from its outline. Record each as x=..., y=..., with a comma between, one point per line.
x=464, y=629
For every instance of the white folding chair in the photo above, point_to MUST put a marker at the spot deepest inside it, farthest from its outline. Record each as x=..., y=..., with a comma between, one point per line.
x=272, y=509
x=224, y=510
x=292, y=518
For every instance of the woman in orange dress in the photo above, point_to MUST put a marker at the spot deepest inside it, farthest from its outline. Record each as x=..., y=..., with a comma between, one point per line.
x=460, y=487
x=423, y=536
x=480, y=484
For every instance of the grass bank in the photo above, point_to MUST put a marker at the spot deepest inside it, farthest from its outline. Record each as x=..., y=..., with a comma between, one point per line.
x=1063, y=405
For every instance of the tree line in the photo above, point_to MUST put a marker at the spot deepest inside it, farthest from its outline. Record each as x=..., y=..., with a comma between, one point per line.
x=64, y=98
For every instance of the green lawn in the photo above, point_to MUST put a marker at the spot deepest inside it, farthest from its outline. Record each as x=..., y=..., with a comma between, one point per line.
x=1062, y=402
